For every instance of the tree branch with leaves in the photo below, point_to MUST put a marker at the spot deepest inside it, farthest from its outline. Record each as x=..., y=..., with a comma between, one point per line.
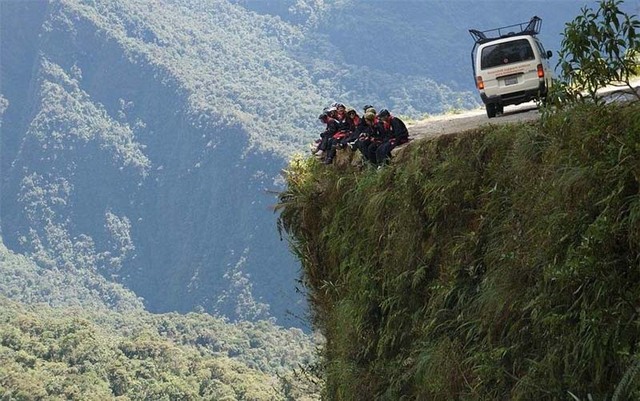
x=599, y=48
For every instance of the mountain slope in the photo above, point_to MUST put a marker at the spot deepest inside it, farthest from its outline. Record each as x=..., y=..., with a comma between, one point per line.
x=118, y=165
x=75, y=354
x=141, y=139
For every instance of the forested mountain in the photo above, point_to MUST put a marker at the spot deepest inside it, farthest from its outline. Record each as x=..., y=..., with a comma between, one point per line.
x=125, y=152
x=140, y=139
x=22, y=280
x=73, y=335
x=80, y=354
x=387, y=50
x=141, y=143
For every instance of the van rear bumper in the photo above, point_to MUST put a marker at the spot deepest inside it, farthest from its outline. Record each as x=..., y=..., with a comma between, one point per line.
x=516, y=97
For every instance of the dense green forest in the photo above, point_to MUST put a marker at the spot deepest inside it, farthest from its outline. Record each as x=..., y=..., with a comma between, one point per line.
x=72, y=335
x=22, y=280
x=499, y=263
x=116, y=160
x=91, y=354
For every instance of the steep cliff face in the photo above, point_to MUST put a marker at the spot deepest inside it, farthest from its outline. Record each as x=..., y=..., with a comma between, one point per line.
x=109, y=166
x=498, y=263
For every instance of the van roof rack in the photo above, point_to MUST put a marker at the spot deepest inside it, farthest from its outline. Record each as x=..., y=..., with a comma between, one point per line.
x=532, y=27
x=526, y=28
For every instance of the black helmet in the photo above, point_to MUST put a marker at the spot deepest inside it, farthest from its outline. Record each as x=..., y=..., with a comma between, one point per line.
x=322, y=116
x=367, y=106
x=384, y=113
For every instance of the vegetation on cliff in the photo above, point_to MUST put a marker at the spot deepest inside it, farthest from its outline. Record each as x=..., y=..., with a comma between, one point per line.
x=500, y=263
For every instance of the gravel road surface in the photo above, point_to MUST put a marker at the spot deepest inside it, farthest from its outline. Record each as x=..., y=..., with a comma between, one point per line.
x=452, y=123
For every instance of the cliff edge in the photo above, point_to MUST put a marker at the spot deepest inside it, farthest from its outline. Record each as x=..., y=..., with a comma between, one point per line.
x=498, y=263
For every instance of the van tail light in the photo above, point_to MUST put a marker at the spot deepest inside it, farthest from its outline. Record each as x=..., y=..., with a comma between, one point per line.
x=540, y=71
x=479, y=82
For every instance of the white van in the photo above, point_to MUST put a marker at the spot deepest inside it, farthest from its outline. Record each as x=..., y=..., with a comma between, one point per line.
x=512, y=67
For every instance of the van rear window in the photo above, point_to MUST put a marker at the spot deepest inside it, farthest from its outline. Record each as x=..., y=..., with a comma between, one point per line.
x=506, y=53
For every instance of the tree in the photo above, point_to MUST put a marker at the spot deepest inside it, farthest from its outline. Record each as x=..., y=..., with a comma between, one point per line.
x=600, y=48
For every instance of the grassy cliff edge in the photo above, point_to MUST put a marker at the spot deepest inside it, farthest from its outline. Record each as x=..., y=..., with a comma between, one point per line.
x=500, y=263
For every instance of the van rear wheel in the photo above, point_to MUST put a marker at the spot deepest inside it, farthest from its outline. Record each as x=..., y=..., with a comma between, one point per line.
x=491, y=110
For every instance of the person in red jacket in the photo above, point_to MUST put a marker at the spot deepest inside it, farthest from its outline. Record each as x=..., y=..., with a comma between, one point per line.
x=344, y=124
x=341, y=111
x=354, y=121
x=342, y=132
x=393, y=132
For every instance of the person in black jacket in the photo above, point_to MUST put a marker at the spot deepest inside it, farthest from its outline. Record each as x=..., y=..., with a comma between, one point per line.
x=354, y=121
x=341, y=134
x=393, y=132
x=368, y=136
x=358, y=123
x=325, y=137
x=343, y=122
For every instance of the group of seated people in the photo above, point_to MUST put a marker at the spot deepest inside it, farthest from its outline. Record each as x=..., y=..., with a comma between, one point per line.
x=374, y=134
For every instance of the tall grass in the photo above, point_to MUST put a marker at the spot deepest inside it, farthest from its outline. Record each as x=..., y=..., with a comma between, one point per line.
x=500, y=263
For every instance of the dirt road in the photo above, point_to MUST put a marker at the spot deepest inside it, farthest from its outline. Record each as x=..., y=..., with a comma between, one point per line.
x=452, y=123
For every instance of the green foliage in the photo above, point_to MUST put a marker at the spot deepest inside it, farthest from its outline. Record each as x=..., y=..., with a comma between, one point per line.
x=22, y=280
x=74, y=354
x=71, y=127
x=599, y=48
x=79, y=193
x=72, y=335
x=500, y=263
x=226, y=77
